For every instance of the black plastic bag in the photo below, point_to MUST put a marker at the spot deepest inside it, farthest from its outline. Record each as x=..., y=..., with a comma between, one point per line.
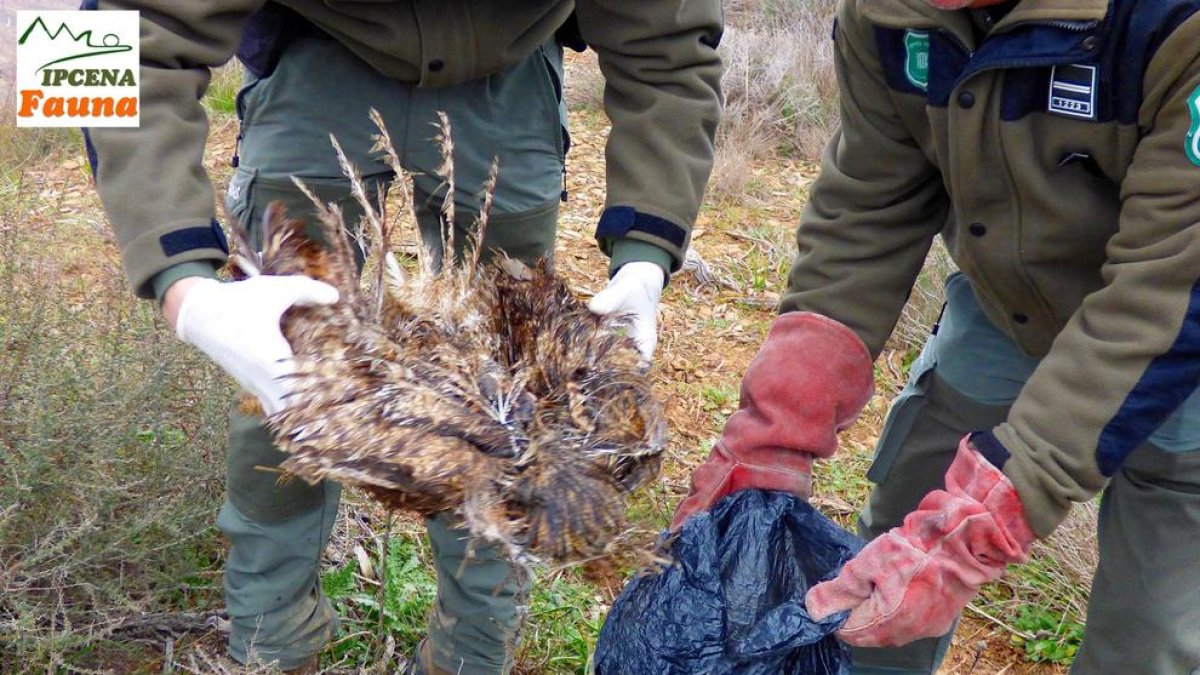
x=733, y=600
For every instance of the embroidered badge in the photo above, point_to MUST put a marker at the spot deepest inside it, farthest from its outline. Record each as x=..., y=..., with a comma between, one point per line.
x=1073, y=91
x=916, y=63
x=1192, y=146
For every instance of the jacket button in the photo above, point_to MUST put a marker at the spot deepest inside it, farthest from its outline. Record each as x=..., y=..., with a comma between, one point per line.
x=977, y=229
x=1089, y=43
x=436, y=65
x=966, y=99
x=1020, y=318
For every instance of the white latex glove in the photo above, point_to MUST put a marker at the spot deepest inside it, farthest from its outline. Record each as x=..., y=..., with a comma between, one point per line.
x=634, y=291
x=237, y=325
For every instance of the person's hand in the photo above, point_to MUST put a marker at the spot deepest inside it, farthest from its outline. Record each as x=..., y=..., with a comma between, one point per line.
x=634, y=291
x=809, y=380
x=912, y=581
x=237, y=325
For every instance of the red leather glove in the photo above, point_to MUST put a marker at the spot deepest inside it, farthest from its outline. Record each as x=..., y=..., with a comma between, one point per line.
x=809, y=380
x=910, y=582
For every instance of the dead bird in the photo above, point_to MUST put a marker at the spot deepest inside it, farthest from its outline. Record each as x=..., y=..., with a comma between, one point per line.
x=486, y=389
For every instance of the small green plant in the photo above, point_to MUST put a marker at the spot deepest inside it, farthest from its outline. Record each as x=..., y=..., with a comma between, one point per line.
x=410, y=586
x=769, y=254
x=717, y=398
x=718, y=323
x=842, y=479
x=1055, y=637
x=565, y=617
x=652, y=507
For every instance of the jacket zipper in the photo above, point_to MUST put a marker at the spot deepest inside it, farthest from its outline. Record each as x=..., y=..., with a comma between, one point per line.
x=1071, y=26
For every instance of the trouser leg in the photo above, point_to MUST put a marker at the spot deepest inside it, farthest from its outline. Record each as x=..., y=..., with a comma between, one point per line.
x=276, y=531
x=965, y=380
x=473, y=625
x=474, y=621
x=920, y=438
x=277, y=527
x=515, y=118
x=1144, y=612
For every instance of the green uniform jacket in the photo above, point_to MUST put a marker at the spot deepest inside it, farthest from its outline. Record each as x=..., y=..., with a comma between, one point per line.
x=1060, y=160
x=659, y=60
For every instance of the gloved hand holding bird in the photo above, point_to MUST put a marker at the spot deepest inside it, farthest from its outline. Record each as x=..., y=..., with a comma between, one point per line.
x=481, y=387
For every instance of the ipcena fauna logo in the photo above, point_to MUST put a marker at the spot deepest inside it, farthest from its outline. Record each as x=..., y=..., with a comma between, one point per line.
x=77, y=68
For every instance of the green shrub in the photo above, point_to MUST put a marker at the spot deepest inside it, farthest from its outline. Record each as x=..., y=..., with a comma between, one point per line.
x=110, y=429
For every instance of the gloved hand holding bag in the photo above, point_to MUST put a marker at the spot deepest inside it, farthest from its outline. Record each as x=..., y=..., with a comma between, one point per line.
x=810, y=379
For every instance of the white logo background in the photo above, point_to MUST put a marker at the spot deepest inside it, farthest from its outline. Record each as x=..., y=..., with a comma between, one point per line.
x=58, y=45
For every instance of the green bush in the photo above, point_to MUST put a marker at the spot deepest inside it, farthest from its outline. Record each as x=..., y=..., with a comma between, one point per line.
x=110, y=429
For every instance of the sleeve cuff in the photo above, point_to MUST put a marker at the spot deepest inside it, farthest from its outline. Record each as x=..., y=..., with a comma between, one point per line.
x=986, y=444
x=630, y=250
x=196, y=268
x=619, y=223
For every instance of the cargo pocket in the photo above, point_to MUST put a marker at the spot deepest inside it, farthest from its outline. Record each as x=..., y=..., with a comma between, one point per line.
x=239, y=198
x=250, y=191
x=904, y=413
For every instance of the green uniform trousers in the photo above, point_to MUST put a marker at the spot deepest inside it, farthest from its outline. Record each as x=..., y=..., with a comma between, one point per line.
x=277, y=530
x=1144, y=613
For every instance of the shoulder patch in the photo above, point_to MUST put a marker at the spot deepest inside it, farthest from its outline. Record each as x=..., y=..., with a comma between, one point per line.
x=916, y=63
x=1192, y=145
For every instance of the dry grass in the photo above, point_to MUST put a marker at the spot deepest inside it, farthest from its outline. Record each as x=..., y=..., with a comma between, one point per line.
x=21, y=148
x=779, y=86
x=1071, y=556
x=583, y=82
x=221, y=97
x=925, y=304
